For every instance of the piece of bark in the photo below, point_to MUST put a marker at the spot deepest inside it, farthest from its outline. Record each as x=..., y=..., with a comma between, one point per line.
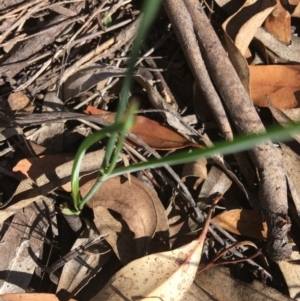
x=272, y=185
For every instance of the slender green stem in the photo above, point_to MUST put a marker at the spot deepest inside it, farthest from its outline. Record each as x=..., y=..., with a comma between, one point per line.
x=85, y=145
x=149, y=10
x=125, y=127
x=239, y=144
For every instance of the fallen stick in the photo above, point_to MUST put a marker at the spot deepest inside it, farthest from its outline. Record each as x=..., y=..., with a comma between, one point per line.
x=272, y=181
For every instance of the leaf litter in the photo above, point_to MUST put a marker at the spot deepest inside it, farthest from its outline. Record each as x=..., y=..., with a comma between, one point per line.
x=62, y=67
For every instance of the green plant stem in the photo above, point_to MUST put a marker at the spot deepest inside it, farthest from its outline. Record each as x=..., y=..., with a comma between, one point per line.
x=102, y=173
x=85, y=145
x=149, y=10
x=239, y=144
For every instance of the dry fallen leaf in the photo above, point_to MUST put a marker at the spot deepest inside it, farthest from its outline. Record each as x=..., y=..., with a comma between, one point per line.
x=161, y=276
x=18, y=101
x=242, y=222
x=242, y=26
x=282, y=119
x=130, y=213
x=291, y=273
x=218, y=282
x=281, y=83
x=78, y=272
x=216, y=181
x=150, y=131
x=24, y=237
x=196, y=169
x=30, y=297
x=278, y=23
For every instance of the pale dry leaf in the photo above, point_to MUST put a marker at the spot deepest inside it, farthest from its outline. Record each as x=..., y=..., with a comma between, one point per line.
x=24, y=237
x=18, y=101
x=30, y=297
x=161, y=276
x=242, y=26
x=291, y=273
x=289, y=53
x=229, y=6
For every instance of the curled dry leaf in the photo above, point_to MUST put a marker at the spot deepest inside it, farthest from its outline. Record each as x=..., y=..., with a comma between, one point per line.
x=242, y=26
x=278, y=23
x=195, y=169
x=133, y=210
x=217, y=181
x=281, y=83
x=161, y=276
x=242, y=222
x=150, y=131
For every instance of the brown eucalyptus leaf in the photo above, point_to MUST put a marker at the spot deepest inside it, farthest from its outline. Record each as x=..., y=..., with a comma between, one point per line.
x=133, y=205
x=160, y=276
x=242, y=222
x=278, y=23
x=242, y=26
x=153, y=133
x=281, y=83
x=120, y=237
x=195, y=169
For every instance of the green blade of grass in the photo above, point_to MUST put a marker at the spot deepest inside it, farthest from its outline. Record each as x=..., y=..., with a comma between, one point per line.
x=239, y=144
